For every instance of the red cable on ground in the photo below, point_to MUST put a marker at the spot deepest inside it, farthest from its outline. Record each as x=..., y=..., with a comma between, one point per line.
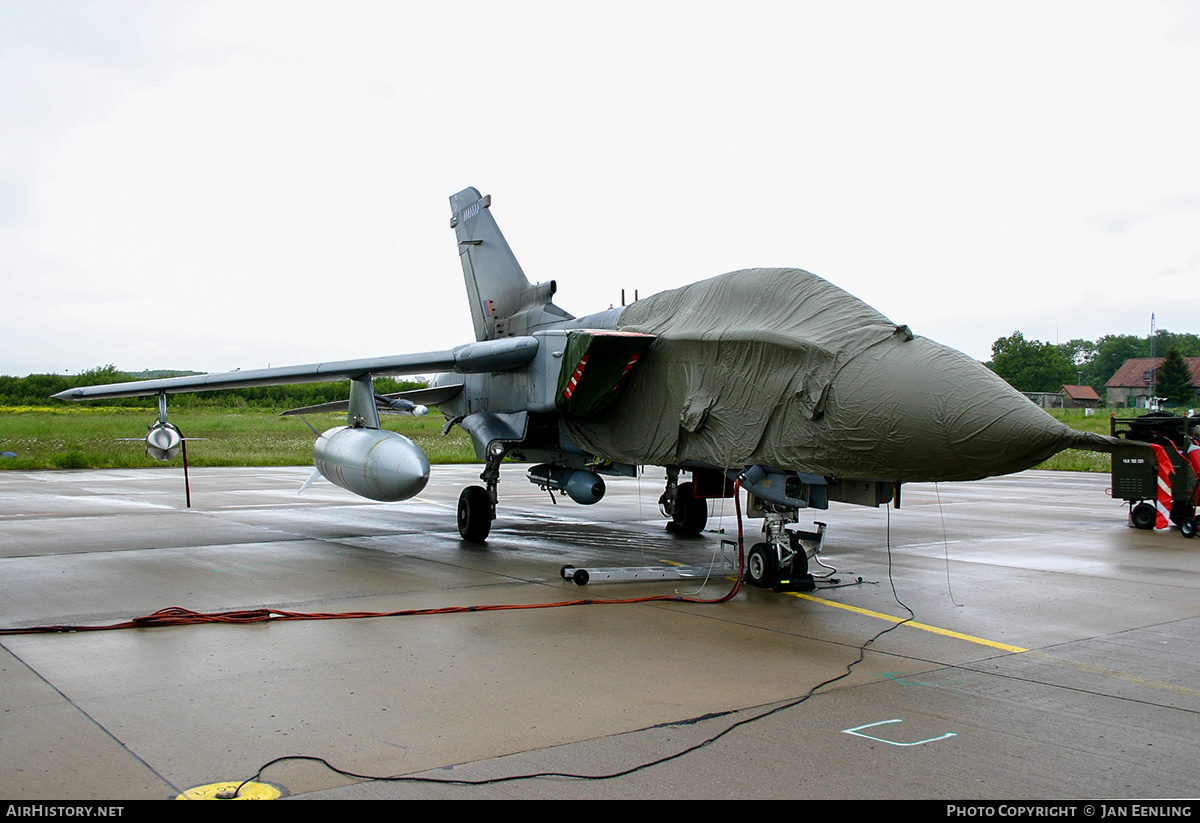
x=177, y=616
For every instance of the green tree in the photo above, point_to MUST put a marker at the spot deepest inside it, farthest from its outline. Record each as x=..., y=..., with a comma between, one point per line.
x=35, y=390
x=102, y=374
x=1188, y=344
x=1173, y=381
x=1031, y=365
x=1112, y=350
x=1081, y=353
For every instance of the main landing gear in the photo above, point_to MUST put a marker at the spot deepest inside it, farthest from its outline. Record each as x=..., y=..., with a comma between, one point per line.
x=688, y=513
x=477, y=504
x=476, y=511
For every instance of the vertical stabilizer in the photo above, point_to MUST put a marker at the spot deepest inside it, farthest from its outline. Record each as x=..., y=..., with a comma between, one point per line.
x=503, y=302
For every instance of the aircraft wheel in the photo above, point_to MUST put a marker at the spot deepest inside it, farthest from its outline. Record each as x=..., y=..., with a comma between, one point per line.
x=691, y=512
x=1188, y=527
x=762, y=566
x=1144, y=516
x=474, y=514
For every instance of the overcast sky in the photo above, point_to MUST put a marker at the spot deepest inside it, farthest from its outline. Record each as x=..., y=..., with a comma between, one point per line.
x=217, y=185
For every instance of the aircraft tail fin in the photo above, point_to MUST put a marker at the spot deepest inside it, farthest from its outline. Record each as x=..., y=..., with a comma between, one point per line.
x=503, y=302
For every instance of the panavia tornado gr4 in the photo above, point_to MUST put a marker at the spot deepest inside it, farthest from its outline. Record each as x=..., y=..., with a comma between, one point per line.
x=771, y=377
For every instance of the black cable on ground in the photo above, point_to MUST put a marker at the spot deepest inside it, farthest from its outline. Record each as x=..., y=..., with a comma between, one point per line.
x=176, y=616
x=576, y=776
x=862, y=652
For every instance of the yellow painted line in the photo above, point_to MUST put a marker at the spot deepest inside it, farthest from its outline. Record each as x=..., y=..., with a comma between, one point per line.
x=922, y=626
x=1072, y=664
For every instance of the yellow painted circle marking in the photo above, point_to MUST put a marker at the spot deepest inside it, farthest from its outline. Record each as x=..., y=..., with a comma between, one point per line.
x=214, y=791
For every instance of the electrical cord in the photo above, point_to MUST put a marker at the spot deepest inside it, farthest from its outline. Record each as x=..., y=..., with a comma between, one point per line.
x=945, y=543
x=177, y=616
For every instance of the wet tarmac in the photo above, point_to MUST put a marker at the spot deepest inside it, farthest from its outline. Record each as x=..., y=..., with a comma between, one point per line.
x=1053, y=652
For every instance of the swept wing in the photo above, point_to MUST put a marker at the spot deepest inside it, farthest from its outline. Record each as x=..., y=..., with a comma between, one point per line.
x=472, y=358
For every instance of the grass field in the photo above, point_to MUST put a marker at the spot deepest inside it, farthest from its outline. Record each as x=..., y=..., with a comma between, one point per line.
x=1081, y=461
x=74, y=437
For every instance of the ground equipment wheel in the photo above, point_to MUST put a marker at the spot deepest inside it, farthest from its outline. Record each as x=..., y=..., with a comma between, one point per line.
x=691, y=512
x=1188, y=527
x=1144, y=516
x=474, y=514
x=762, y=566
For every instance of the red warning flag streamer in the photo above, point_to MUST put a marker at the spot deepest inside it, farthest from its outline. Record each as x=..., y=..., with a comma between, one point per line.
x=1162, y=504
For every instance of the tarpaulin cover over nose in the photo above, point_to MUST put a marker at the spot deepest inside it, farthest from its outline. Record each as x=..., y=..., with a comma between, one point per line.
x=779, y=367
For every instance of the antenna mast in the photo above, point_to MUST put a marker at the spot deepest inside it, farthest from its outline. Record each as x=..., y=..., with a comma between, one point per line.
x=1153, y=367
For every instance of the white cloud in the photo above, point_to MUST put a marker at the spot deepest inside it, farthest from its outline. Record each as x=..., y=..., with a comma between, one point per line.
x=215, y=185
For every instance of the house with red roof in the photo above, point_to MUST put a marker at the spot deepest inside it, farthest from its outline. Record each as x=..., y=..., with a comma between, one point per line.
x=1079, y=397
x=1130, y=386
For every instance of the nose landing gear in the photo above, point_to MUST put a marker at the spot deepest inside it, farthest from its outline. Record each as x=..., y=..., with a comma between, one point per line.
x=781, y=562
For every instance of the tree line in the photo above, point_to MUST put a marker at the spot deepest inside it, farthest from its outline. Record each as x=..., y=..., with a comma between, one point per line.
x=36, y=389
x=1035, y=366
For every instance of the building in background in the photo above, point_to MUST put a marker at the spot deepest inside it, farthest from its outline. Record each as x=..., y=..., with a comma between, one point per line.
x=1131, y=386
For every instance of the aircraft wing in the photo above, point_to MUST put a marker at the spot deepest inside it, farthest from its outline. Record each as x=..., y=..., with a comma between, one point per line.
x=488, y=356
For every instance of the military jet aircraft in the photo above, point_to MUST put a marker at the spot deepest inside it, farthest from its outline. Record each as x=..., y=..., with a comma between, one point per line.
x=775, y=377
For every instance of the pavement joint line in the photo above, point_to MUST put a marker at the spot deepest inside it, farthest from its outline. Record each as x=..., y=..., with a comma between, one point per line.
x=911, y=623
x=1136, y=679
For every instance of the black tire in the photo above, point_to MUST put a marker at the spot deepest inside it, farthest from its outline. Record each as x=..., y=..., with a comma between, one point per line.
x=1188, y=527
x=691, y=512
x=1144, y=516
x=762, y=566
x=474, y=514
